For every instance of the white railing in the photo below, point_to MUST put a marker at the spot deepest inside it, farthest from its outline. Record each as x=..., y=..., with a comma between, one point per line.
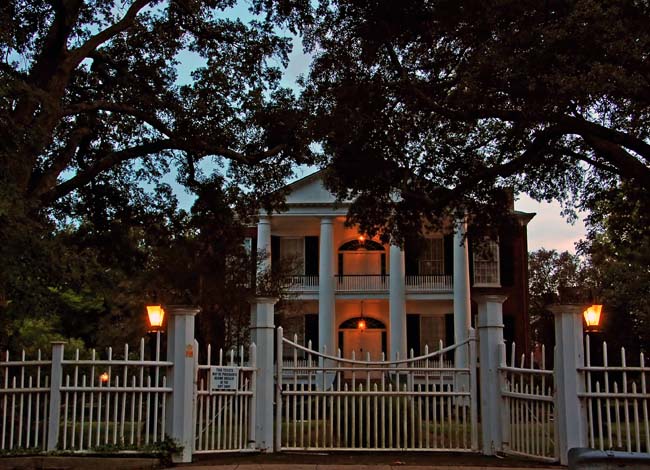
x=353, y=405
x=372, y=283
x=528, y=415
x=429, y=283
x=24, y=394
x=225, y=412
x=361, y=283
x=303, y=283
x=617, y=400
x=119, y=402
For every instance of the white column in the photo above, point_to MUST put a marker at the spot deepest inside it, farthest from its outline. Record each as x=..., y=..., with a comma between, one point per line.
x=56, y=380
x=462, y=301
x=397, y=303
x=570, y=411
x=181, y=351
x=490, y=334
x=262, y=335
x=326, y=299
x=264, y=241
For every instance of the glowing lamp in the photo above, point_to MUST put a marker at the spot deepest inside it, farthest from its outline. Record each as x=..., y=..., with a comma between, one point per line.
x=592, y=316
x=104, y=377
x=361, y=325
x=362, y=238
x=156, y=315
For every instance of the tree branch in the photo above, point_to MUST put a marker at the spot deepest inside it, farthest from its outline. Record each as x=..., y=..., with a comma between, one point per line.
x=113, y=159
x=118, y=108
x=80, y=53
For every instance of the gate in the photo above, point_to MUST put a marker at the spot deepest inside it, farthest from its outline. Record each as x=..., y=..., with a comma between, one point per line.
x=224, y=410
x=423, y=403
x=528, y=414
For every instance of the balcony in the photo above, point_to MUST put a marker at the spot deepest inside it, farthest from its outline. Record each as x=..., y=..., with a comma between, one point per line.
x=372, y=283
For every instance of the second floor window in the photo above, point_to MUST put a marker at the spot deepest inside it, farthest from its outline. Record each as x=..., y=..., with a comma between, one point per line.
x=486, y=263
x=432, y=261
x=292, y=252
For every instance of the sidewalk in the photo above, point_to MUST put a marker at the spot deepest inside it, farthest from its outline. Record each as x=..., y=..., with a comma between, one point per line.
x=362, y=461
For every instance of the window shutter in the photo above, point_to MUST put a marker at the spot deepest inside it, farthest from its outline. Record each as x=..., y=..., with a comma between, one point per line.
x=411, y=257
x=275, y=251
x=412, y=334
x=311, y=330
x=311, y=256
x=506, y=261
x=449, y=254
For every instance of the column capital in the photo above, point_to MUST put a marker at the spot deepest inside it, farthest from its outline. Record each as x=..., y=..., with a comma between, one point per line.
x=326, y=220
x=491, y=298
x=178, y=310
x=567, y=309
x=264, y=218
x=255, y=300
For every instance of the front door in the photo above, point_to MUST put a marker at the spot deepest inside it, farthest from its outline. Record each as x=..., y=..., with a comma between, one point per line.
x=362, y=342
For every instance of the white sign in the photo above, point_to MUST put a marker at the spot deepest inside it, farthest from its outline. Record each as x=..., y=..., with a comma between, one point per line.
x=224, y=378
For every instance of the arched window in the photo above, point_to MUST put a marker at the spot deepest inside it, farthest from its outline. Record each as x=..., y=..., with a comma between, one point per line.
x=356, y=245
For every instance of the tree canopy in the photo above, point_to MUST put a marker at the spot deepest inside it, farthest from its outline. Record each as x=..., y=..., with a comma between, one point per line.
x=90, y=88
x=446, y=102
x=98, y=103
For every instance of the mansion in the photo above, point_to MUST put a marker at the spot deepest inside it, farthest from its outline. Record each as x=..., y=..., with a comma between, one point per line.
x=355, y=294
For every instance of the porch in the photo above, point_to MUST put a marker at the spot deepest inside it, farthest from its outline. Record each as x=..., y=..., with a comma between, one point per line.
x=372, y=283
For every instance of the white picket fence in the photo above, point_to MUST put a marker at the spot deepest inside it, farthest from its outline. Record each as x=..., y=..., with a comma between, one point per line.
x=114, y=401
x=334, y=403
x=225, y=416
x=617, y=399
x=24, y=395
x=528, y=407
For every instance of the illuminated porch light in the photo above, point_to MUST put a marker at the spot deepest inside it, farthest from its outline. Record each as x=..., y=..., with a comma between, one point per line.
x=592, y=316
x=362, y=238
x=361, y=325
x=156, y=315
x=104, y=378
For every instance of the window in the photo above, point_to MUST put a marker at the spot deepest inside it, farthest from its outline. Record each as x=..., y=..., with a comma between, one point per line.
x=432, y=261
x=292, y=251
x=486, y=263
x=248, y=245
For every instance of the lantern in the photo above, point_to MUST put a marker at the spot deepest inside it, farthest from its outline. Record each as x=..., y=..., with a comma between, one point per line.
x=156, y=315
x=592, y=316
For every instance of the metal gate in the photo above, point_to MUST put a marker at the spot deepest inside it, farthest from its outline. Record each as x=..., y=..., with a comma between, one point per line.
x=423, y=403
x=224, y=402
x=528, y=414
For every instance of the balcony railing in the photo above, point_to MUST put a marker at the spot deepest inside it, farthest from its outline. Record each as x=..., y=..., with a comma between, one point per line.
x=429, y=283
x=303, y=283
x=373, y=283
x=361, y=283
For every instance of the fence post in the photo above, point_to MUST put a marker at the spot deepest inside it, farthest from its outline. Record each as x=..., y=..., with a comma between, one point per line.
x=262, y=336
x=56, y=380
x=181, y=351
x=571, y=417
x=490, y=331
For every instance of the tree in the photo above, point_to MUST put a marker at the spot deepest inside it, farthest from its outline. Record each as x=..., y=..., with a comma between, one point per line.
x=90, y=88
x=447, y=102
x=550, y=275
x=618, y=246
x=93, y=114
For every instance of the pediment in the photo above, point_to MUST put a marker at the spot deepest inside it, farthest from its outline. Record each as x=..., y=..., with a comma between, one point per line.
x=309, y=190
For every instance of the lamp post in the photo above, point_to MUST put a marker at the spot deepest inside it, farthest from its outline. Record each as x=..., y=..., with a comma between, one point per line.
x=156, y=316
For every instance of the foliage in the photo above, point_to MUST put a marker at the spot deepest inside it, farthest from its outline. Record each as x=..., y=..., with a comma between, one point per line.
x=97, y=106
x=618, y=245
x=550, y=276
x=448, y=103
